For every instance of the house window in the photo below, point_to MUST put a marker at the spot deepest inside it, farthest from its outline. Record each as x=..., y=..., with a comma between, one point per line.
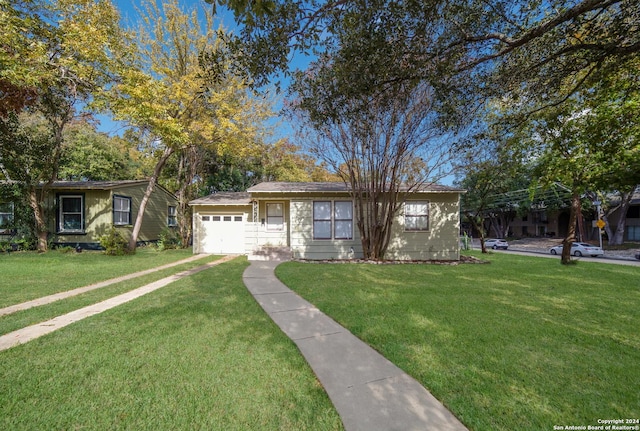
x=275, y=216
x=343, y=220
x=71, y=213
x=416, y=216
x=172, y=219
x=6, y=216
x=332, y=220
x=121, y=210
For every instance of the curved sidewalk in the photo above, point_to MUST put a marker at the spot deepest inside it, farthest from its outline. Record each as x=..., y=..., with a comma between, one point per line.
x=368, y=391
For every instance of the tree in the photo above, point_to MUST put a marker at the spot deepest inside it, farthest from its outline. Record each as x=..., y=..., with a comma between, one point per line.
x=384, y=146
x=28, y=152
x=57, y=55
x=180, y=108
x=584, y=149
x=89, y=155
x=523, y=40
x=490, y=174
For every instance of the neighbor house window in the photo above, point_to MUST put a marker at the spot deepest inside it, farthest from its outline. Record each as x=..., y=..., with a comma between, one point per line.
x=416, y=216
x=172, y=219
x=121, y=210
x=6, y=216
x=275, y=216
x=332, y=220
x=71, y=213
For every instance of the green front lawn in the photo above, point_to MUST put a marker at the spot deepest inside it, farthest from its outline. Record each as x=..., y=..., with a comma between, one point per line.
x=199, y=353
x=30, y=275
x=31, y=316
x=520, y=343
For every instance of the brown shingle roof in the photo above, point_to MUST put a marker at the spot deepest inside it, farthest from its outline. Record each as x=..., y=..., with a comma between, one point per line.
x=224, y=198
x=300, y=187
x=293, y=187
x=95, y=185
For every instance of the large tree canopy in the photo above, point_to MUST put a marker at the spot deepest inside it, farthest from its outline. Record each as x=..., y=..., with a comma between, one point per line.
x=542, y=43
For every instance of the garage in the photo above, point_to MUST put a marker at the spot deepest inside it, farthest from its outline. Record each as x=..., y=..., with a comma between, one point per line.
x=222, y=234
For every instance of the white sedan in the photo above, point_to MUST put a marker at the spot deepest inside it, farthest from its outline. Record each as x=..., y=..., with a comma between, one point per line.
x=579, y=249
x=496, y=244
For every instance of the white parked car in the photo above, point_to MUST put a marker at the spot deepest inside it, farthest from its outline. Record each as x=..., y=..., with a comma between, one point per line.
x=579, y=249
x=496, y=244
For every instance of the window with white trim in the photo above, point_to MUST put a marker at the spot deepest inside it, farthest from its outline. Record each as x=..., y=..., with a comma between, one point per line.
x=416, y=216
x=275, y=216
x=332, y=220
x=6, y=216
x=121, y=210
x=172, y=217
x=342, y=220
x=71, y=213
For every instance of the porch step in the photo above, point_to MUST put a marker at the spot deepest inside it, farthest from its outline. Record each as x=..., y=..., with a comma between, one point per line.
x=271, y=254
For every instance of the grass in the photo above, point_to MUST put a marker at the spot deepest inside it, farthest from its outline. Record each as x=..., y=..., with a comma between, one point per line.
x=197, y=354
x=23, y=318
x=520, y=343
x=29, y=275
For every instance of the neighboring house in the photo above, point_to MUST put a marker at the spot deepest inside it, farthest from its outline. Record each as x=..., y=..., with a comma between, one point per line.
x=80, y=212
x=316, y=221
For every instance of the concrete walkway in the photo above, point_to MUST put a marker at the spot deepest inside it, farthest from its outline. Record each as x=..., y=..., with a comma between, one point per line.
x=29, y=333
x=369, y=392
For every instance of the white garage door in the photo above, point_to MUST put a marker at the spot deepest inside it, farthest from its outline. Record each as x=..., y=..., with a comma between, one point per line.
x=222, y=234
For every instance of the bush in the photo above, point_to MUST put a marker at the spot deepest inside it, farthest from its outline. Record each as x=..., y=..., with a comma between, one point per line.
x=168, y=239
x=114, y=243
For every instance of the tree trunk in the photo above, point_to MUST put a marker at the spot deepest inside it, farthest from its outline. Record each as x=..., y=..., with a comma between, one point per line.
x=571, y=234
x=42, y=232
x=147, y=194
x=618, y=237
x=185, y=177
x=478, y=224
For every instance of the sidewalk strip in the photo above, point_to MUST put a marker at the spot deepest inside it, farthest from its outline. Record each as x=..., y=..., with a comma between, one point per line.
x=66, y=294
x=29, y=333
x=368, y=391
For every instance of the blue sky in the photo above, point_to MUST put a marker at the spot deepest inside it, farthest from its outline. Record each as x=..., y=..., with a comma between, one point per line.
x=129, y=18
